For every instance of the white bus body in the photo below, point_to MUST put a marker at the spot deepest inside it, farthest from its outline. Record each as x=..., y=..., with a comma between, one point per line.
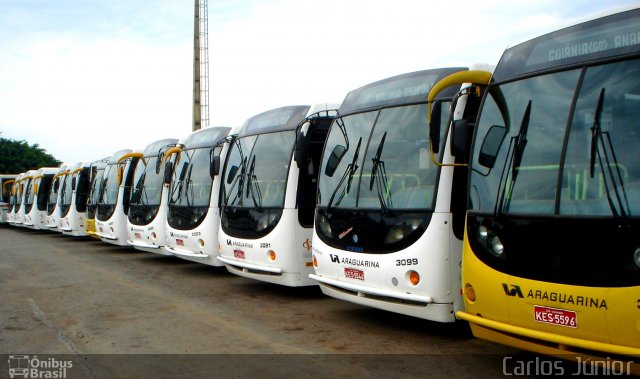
x=193, y=213
x=15, y=199
x=26, y=199
x=113, y=203
x=147, y=218
x=389, y=221
x=73, y=200
x=53, y=198
x=36, y=206
x=95, y=188
x=269, y=192
x=6, y=183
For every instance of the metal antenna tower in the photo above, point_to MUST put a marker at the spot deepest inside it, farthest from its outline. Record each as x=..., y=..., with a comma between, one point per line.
x=201, y=65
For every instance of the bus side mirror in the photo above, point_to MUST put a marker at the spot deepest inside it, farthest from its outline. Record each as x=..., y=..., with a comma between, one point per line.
x=299, y=154
x=168, y=172
x=434, y=126
x=214, y=167
x=461, y=138
x=120, y=174
x=491, y=145
x=232, y=174
x=334, y=160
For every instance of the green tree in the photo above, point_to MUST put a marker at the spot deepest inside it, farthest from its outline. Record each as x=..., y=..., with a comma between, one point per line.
x=19, y=156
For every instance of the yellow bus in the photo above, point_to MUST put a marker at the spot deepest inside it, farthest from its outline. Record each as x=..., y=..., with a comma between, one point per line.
x=551, y=256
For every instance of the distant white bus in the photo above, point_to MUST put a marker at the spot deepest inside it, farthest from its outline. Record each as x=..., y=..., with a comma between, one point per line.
x=35, y=204
x=73, y=200
x=26, y=198
x=193, y=212
x=269, y=194
x=6, y=183
x=113, y=203
x=53, y=198
x=95, y=187
x=147, y=218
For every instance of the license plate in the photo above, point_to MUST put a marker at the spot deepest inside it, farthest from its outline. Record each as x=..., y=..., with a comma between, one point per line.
x=353, y=273
x=555, y=316
x=238, y=254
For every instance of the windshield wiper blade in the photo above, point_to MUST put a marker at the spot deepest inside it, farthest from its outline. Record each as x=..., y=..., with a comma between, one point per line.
x=348, y=172
x=379, y=176
x=252, y=185
x=521, y=142
x=598, y=135
x=515, y=152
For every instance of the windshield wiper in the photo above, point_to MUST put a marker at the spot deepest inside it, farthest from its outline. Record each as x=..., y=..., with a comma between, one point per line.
x=598, y=135
x=516, y=151
x=379, y=175
x=348, y=172
x=252, y=185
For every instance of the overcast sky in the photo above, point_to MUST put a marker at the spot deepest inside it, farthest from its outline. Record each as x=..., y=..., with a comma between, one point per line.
x=85, y=78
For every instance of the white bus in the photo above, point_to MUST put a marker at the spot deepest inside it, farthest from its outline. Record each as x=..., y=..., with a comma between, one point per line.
x=95, y=180
x=269, y=193
x=53, y=198
x=6, y=183
x=147, y=218
x=392, y=197
x=35, y=203
x=26, y=198
x=113, y=202
x=73, y=200
x=14, y=200
x=193, y=213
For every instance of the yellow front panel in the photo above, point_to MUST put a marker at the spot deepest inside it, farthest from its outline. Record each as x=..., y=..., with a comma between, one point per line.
x=602, y=315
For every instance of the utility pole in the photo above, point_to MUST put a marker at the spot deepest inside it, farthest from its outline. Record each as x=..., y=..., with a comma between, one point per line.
x=200, y=65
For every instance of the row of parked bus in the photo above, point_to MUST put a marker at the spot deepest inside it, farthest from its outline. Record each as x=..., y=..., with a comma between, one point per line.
x=507, y=196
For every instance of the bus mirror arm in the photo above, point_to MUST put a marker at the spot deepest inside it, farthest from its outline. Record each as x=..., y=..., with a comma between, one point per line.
x=168, y=172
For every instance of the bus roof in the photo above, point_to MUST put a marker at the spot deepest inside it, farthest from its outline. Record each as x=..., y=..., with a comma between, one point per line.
x=277, y=119
x=400, y=89
x=206, y=137
x=153, y=148
x=613, y=35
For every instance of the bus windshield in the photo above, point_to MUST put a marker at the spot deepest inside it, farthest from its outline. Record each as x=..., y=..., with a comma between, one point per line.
x=258, y=166
x=146, y=193
x=94, y=194
x=377, y=172
x=520, y=168
x=65, y=194
x=53, y=195
x=191, y=187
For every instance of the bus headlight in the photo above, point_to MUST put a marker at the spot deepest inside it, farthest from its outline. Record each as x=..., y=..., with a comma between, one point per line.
x=402, y=229
x=323, y=225
x=496, y=246
x=490, y=241
x=636, y=257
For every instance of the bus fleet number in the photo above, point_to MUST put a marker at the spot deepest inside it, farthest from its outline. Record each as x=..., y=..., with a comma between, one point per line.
x=407, y=262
